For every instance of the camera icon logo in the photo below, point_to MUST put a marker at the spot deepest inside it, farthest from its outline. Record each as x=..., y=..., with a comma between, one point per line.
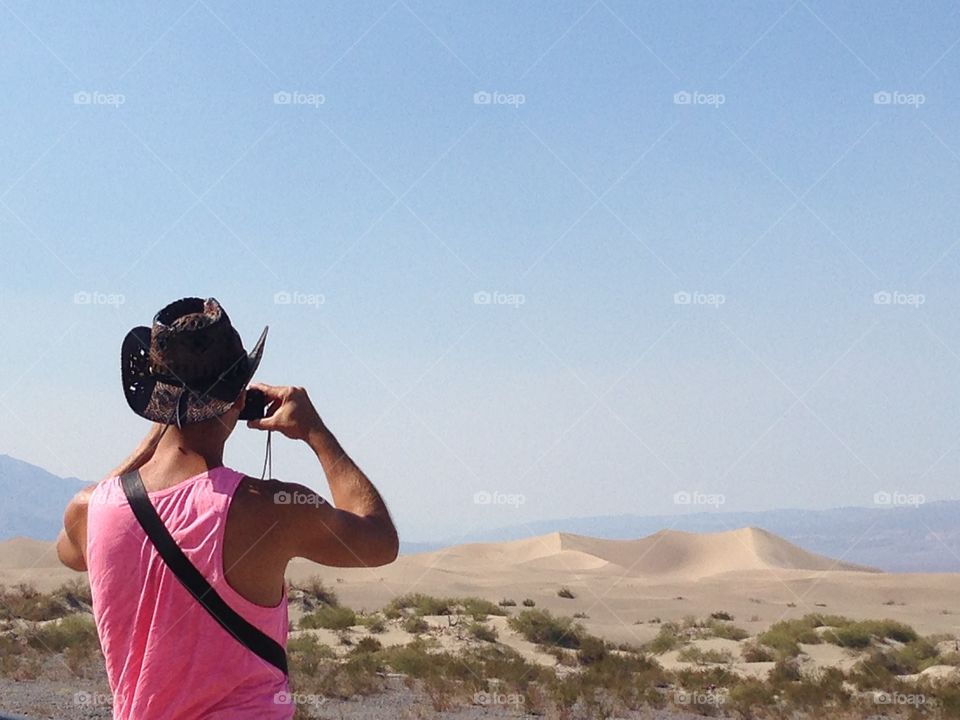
x=282, y=298
x=882, y=98
x=82, y=98
x=482, y=498
x=681, y=298
x=882, y=297
x=282, y=498
x=482, y=97
x=682, y=98
x=282, y=98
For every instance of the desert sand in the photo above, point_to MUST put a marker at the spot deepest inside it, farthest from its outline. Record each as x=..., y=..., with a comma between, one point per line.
x=620, y=585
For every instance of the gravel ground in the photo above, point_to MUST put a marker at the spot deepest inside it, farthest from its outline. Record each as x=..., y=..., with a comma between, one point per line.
x=54, y=700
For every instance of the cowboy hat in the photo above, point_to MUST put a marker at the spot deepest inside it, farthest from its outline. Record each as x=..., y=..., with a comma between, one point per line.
x=190, y=366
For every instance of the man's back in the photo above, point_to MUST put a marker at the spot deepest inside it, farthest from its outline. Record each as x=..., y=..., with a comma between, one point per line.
x=165, y=656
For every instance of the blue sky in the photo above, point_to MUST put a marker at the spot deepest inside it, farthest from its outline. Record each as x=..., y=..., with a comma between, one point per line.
x=147, y=155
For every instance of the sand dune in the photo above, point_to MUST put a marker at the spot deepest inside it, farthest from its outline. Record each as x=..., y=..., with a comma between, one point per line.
x=620, y=585
x=668, y=554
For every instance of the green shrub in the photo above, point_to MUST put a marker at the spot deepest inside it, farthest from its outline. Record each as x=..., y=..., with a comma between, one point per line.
x=529, y=603
x=699, y=656
x=479, y=631
x=478, y=608
x=415, y=625
x=506, y=602
x=373, y=623
x=76, y=631
x=754, y=652
x=592, y=650
x=541, y=627
x=367, y=645
x=330, y=617
x=726, y=630
x=420, y=604
x=307, y=654
x=668, y=638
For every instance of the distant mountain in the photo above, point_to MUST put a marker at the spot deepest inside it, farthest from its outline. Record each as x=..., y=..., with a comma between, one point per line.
x=32, y=500
x=925, y=538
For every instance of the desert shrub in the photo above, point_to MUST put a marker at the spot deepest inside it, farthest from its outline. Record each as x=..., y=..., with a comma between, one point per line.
x=307, y=654
x=748, y=698
x=479, y=631
x=316, y=592
x=330, y=617
x=420, y=604
x=358, y=675
x=373, y=623
x=543, y=628
x=367, y=645
x=566, y=592
x=415, y=625
x=785, y=636
x=699, y=656
x=507, y=602
x=529, y=603
x=478, y=608
x=862, y=633
x=592, y=650
x=76, y=631
x=721, y=615
x=25, y=602
x=726, y=630
x=786, y=669
x=754, y=652
x=668, y=638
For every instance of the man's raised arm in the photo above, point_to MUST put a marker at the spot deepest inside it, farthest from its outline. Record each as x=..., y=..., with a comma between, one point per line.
x=358, y=532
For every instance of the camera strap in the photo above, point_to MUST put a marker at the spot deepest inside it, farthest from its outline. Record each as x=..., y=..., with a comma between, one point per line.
x=192, y=579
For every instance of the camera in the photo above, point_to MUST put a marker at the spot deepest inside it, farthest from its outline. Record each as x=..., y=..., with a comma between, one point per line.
x=255, y=408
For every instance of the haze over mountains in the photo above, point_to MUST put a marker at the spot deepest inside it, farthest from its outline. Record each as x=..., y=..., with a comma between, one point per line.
x=922, y=538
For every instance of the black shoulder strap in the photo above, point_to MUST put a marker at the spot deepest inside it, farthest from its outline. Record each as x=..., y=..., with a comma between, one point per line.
x=191, y=578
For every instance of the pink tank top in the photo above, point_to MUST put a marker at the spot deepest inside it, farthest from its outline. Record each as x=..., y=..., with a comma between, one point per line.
x=165, y=656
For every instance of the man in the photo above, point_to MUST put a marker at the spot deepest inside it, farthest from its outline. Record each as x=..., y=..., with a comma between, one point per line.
x=167, y=655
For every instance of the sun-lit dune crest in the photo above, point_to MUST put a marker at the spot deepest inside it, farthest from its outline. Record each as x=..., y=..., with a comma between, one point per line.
x=667, y=553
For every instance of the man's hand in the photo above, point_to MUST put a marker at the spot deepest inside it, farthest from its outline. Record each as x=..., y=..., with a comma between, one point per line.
x=289, y=411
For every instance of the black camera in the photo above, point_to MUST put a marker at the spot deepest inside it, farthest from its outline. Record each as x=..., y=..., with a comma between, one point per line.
x=255, y=408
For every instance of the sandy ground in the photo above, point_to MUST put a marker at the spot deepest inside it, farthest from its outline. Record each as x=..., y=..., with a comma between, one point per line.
x=622, y=591
x=621, y=586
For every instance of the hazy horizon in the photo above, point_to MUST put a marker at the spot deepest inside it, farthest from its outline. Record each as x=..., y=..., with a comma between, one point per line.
x=530, y=262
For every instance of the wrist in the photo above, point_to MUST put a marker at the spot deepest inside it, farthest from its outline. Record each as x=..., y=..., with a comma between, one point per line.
x=320, y=438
